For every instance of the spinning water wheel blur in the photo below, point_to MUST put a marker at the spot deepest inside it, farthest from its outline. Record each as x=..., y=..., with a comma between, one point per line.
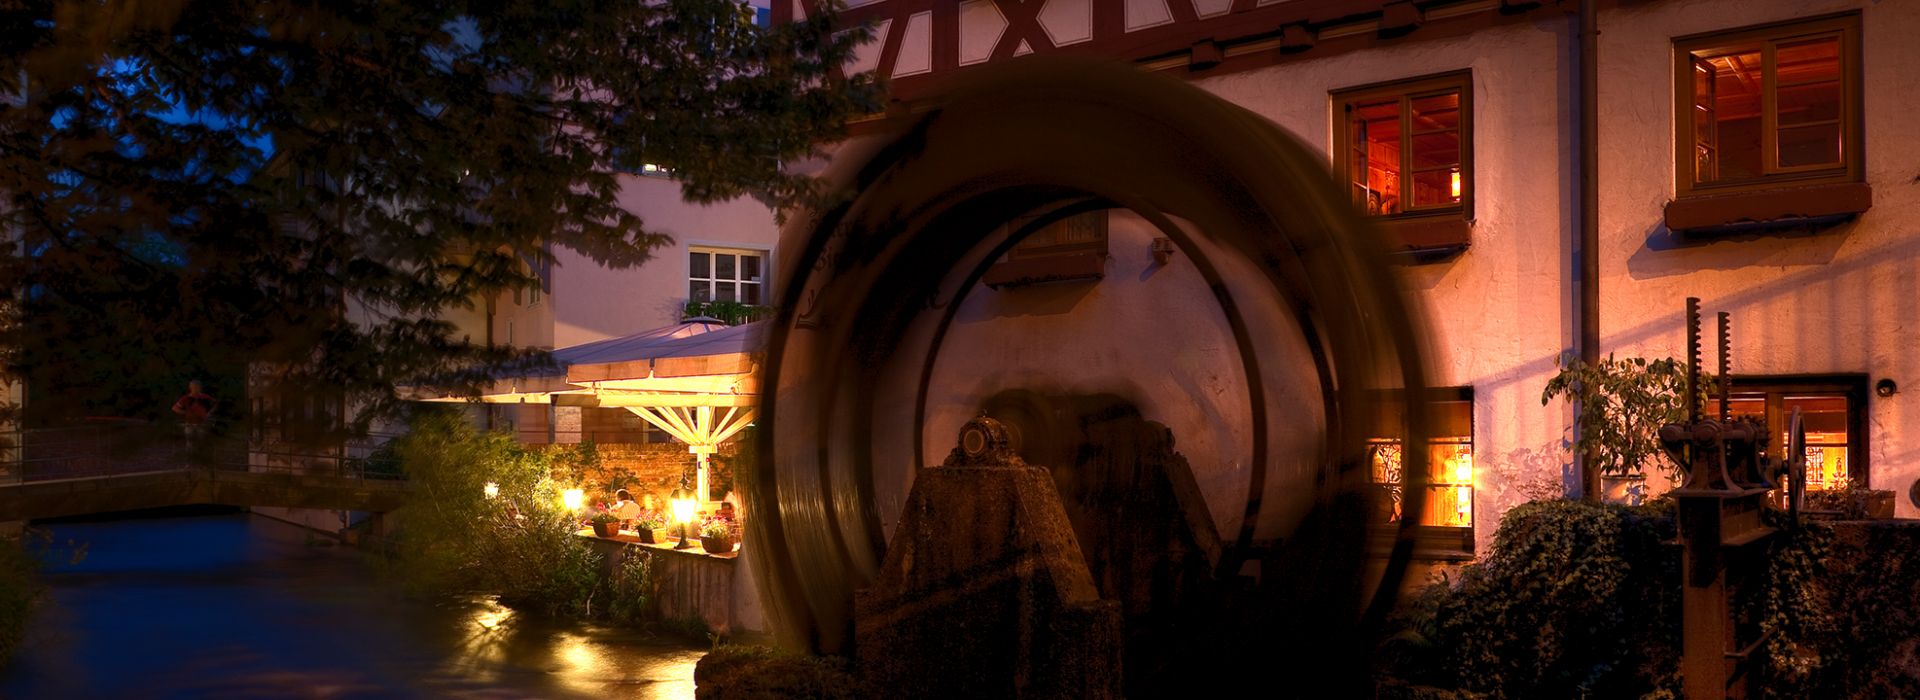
x=1313, y=338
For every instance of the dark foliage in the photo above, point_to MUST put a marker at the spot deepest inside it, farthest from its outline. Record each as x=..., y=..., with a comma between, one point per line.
x=310, y=190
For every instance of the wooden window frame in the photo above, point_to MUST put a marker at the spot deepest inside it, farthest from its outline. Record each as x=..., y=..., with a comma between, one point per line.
x=713, y=269
x=1765, y=37
x=1029, y=247
x=1344, y=100
x=1436, y=542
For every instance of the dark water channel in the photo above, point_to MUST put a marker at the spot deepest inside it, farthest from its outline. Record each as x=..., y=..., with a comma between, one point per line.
x=242, y=606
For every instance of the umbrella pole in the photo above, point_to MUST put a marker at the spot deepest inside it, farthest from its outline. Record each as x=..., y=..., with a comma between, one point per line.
x=706, y=493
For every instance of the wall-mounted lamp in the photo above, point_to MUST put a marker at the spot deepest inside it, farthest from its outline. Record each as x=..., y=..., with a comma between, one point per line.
x=1162, y=250
x=1886, y=388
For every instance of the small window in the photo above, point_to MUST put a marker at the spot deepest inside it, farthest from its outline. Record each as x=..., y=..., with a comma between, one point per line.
x=1405, y=149
x=1768, y=105
x=726, y=275
x=1080, y=233
x=1446, y=496
x=1833, y=410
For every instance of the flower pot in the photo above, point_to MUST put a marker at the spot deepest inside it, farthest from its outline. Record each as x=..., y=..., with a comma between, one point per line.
x=1879, y=504
x=606, y=529
x=653, y=536
x=716, y=545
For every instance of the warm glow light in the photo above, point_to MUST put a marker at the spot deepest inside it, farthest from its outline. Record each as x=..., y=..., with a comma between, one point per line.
x=1456, y=184
x=491, y=489
x=1463, y=468
x=574, y=498
x=683, y=510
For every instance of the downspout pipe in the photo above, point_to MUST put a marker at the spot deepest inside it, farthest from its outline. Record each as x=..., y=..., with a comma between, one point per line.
x=1587, y=251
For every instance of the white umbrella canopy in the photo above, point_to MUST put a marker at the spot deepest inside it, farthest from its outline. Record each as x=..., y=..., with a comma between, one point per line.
x=701, y=389
x=697, y=380
x=538, y=387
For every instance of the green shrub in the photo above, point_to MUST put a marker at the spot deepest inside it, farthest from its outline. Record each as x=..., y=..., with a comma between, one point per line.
x=520, y=544
x=1581, y=600
x=1574, y=599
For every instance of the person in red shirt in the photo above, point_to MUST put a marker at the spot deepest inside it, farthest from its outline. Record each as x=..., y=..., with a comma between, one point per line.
x=194, y=409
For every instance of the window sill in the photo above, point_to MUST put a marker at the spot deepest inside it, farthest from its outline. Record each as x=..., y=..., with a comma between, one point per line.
x=1427, y=238
x=1430, y=543
x=1070, y=267
x=1784, y=207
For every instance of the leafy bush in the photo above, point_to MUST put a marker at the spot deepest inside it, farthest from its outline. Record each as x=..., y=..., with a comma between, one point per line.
x=1574, y=599
x=732, y=313
x=1577, y=599
x=1623, y=403
x=520, y=544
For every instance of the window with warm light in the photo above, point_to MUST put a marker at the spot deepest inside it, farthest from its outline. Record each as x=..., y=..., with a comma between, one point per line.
x=722, y=274
x=1768, y=105
x=1405, y=149
x=1831, y=408
x=1446, y=496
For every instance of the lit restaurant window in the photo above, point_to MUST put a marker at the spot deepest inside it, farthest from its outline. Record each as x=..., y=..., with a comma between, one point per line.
x=1445, y=527
x=1832, y=411
x=1768, y=105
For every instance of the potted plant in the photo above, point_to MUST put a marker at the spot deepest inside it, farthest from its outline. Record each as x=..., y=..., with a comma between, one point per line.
x=651, y=528
x=717, y=537
x=605, y=525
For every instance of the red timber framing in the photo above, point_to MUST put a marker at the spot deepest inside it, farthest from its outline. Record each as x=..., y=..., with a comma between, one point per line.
x=917, y=43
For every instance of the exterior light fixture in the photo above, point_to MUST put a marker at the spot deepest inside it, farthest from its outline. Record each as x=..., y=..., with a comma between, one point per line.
x=1885, y=388
x=491, y=489
x=574, y=499
x=1162, y=250
x=683, y=504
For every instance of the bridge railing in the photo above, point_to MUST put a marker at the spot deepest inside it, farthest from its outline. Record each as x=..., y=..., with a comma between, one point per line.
x=119, y=448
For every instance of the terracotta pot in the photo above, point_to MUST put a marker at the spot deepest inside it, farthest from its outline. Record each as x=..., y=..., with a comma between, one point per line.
x=716, y=545
x=606, y=529
x=652, y=536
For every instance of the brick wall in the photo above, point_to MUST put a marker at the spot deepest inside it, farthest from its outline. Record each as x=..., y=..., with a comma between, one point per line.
x=651, y=469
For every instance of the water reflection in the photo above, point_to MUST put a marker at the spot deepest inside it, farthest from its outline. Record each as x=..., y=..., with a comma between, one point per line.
x=238, y=606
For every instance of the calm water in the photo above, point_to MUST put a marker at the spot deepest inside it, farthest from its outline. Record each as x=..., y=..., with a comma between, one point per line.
x=240, y=606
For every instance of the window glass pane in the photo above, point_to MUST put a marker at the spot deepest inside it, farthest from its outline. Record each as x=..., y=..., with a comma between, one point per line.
x=698, y=290
x=1809, y=103
x=1810, y=145
x=1436, y=112
x=1734, y=149
x=723, y=291
x=1825, y=418
x=1447, y=496
x=1376, y=167
x=723, y=266
x=697, y=265
x=1436, y=150
x=749, y=293
x=1812, y=61
x=750, y=267
x=1435, y=187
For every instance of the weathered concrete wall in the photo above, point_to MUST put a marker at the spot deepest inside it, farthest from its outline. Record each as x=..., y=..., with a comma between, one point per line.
x=1844, y=301
x=591, y=302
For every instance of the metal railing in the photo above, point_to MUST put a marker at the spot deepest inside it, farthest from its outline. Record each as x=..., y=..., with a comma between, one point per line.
x=121, y=448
